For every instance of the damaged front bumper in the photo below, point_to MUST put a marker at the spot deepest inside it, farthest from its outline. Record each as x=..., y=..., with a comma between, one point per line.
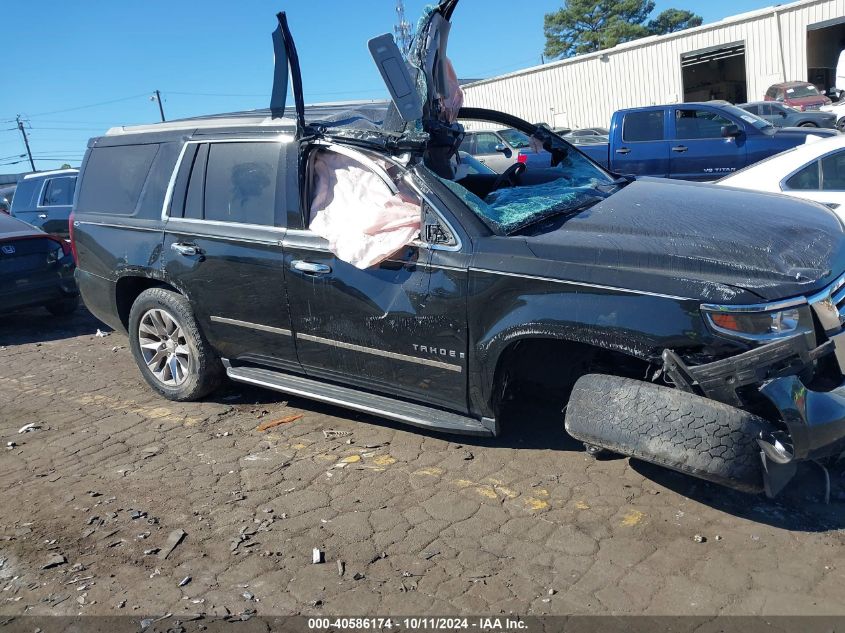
x=812, y=422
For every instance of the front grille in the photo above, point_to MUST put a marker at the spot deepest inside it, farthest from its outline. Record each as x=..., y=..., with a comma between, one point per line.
x=829, y=306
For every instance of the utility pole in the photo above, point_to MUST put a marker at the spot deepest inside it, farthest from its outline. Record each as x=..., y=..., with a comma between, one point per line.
x=25, y=141
x=157, y=97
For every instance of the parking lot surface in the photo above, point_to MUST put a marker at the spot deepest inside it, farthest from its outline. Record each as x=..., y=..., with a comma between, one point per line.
x=118, y=497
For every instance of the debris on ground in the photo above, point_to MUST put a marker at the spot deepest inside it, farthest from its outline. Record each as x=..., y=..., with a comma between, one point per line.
x=248, y=596
x=468, y=455
x=11, y=444
x=698, y=538
x=316, y=556
x=357, y=576
x=26, y=428
x=54, y=561
x=101, y=334
x=429, y=555
x=185, y=581
x=718, y=537
x=340, y=567
x=331, y=434
x=274, y=423
x=173, y=540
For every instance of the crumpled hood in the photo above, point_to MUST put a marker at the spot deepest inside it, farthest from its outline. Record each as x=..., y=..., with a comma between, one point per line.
x=699, y=241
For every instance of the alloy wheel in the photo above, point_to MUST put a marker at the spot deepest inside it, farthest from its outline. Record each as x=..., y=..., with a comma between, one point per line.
x=164, y=347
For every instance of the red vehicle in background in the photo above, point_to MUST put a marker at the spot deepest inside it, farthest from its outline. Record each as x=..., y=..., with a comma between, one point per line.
x=800, y=95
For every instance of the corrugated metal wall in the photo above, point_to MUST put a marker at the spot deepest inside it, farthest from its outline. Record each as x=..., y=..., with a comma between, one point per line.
x=586, y=90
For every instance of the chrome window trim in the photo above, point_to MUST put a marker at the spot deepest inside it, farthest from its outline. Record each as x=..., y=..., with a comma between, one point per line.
x=251, y=326
x=168, y=195
x=132, y=227
x=262, y=227
x=378, y=352
x=458, y=245
x=361, y=158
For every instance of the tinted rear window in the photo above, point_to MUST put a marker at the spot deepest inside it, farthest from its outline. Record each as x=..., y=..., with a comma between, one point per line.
x=114, y=177
x=643, y=126
x=240, y=182
x=59, y=191
x=25, y=194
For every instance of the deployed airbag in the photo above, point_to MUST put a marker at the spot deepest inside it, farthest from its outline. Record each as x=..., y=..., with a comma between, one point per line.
x=363, y=221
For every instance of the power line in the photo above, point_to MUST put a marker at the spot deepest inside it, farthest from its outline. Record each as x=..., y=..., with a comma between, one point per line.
x=90, y=105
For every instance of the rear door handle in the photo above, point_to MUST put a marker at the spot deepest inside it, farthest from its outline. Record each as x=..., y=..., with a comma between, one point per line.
x=680, y=148
x=310, y=267
x=623, y=150
x=187, y=250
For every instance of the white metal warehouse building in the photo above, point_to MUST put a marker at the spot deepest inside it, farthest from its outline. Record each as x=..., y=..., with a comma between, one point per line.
x=735, y=59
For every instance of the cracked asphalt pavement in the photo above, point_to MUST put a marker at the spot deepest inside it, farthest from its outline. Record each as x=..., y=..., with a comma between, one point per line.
x=119, y=502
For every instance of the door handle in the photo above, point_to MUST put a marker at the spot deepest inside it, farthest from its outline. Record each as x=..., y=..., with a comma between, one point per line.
x=680, y=148
x=623, y=150
x=187, y=250
x=43, y=216
x=310, y=267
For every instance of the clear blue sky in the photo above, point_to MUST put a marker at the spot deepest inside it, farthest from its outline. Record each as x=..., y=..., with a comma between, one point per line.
x=61, y=57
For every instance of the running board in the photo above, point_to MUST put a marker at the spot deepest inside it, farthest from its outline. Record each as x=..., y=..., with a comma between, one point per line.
x=399, y=410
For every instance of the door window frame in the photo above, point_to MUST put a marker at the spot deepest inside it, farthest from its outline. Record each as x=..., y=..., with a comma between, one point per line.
x=407, y=178
x=168, y=196
x=664, y=138
x=43, y=190
x=818, y=162
x=675, y=117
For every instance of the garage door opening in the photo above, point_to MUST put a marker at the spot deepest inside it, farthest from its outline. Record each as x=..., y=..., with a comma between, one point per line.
x=715, y=73
x=825, y=40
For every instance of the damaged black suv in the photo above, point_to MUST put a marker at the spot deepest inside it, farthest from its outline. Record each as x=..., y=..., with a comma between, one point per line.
x=693, y=326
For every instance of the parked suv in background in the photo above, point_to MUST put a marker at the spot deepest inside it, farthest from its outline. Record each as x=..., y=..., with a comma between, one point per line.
x=44, y=200
x=798, y=94
x=781, y=115
x=690, y=325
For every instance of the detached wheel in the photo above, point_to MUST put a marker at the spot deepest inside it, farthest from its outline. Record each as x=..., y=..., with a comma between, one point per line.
x=171, y=352
x=63, y=307
x=668, y=427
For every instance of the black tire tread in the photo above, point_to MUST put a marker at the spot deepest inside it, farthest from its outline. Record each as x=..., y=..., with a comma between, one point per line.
x=668, y=427
x=209, y=371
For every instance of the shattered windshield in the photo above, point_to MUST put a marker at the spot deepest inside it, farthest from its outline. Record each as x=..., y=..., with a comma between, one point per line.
x=568, y=188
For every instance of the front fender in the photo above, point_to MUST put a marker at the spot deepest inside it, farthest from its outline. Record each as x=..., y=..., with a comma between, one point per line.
x=505, y=309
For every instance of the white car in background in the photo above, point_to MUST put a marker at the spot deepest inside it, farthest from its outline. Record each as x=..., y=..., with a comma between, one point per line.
x=813, y=171
x=838, y=109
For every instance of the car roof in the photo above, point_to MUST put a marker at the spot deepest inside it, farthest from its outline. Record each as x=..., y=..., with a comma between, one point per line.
x=54, y=172
x=346, y=114
x=789, y=84
x=12, y=227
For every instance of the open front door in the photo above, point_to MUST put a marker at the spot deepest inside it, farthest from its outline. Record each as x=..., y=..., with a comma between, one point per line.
x=286, y=60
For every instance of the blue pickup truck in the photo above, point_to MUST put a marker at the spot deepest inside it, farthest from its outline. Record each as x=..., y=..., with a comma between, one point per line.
x=691, y=141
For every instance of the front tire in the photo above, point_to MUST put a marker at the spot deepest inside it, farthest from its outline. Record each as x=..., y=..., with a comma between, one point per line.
x=670, y=428
x=170, y=350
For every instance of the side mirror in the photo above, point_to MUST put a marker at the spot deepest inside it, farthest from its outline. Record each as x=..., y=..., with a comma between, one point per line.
x=504, y=149
x=730, y=131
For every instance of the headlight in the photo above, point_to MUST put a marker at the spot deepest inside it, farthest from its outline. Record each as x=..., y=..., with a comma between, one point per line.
x=756, y=323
